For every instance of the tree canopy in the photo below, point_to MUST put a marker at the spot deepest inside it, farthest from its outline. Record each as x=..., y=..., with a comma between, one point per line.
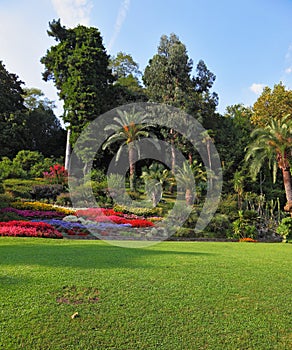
x=79, y=67
x=272, y=104
x=11, y=99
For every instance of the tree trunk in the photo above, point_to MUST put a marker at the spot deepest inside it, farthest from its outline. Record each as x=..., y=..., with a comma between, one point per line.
x=173, y=158
x=131, y=150
x=288, y=189
x=189, y=197
x=190, y=158
x=68, y=151
x=210, y=163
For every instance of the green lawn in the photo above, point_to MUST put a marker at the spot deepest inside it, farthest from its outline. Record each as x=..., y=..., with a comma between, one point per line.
x=182, y=295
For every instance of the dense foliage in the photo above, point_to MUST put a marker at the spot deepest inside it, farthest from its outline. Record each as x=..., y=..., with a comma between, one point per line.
x=254, y=142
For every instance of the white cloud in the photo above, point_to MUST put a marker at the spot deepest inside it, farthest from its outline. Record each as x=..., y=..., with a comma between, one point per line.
x=288, y=70
x=122, y=14
x=73, y=12
x=257, y=88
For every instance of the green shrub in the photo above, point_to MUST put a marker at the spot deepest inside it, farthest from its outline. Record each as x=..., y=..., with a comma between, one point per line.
x=219, y=226
x=47, y=192
x=64, y=199
x=244, y=227
x=98, y=175
x=1, y=187
x=138, y=211
x=192, y=219
x=19, y=188
x=135, y=195
x=9, y=170
x=285, y=229
x=184, y=232
x=26, y=159
x=9, y=216
x=5, y=200
x=38, y=169
x=228, y=206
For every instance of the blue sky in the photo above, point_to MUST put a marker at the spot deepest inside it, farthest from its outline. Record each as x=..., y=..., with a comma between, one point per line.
x=247, y=44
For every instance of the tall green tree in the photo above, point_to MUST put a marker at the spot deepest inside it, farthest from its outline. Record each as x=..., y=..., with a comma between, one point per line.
x=79, y=68
x=43, y=129
x=12, y=138
x=123, y=65
x=274, y=143
x=202, y=103
x=167, y=75
x=127, y=86
x=168, y=79
x=231, y=138
x=11, y=99
x=273, y=103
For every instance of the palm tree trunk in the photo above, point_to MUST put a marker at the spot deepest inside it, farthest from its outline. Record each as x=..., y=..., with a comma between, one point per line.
x=189, y=197
x=173, y=159
x=210, y=161
x=131, y=151
x=288, y=188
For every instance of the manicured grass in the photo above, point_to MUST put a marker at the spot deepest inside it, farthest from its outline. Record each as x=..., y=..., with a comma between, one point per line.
x=167, y=296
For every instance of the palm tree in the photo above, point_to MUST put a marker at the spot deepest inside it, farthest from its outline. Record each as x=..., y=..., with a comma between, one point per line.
x=155, y=177
x=186, y=177
x=273, y=143
x=129, y=127
x=238, y=185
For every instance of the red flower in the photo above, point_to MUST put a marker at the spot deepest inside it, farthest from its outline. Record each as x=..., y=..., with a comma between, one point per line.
x=28, y=229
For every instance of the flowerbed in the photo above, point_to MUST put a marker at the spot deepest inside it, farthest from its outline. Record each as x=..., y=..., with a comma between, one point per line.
x=27, y=213
x=28, y=229
x=80, y=227
x=109, y=215
x=41, y=207
x=52, y=222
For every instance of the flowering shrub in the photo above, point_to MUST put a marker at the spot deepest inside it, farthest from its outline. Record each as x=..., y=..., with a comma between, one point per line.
x=28, y=229
x=57, y=174
x=33, y=213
